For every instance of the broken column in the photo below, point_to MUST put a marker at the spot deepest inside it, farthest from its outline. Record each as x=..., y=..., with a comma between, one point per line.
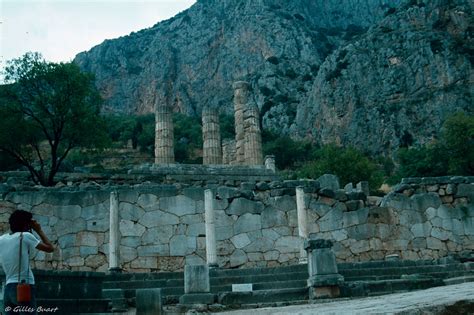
x=302, y=221
x=114, y=234
x=211, y=136
x=270, y=163
x=241, y=94
x=197, y=286
x=253, y=135
x=211, y=246
x=324, y=280
x=164, y=137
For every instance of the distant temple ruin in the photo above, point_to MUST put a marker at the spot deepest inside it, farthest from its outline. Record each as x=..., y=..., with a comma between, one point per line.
x=245, y=150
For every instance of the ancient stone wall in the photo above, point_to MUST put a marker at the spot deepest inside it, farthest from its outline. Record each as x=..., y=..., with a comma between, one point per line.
x=421, y=219
x=162, y=226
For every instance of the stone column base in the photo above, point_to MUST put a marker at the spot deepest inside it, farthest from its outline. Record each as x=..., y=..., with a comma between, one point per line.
x=324, y=292
x=115, y=270
x=197, y=298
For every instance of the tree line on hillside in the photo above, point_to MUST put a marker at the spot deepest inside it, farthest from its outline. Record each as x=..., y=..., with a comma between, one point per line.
x=50, y=113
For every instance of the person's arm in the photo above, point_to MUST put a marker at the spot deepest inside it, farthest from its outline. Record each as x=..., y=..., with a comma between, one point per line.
x=45, y=245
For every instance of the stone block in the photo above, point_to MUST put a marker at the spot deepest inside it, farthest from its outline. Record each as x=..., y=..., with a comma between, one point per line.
x=195, y=193
x=241, y=206
x=242, y=287
x=129, y=228
x=355, y=217
x=283, y=203
x=224, y=232
x=288, y=244
x=158, y=218
x=178, y=205
x=247, y=222
x=196, y=229
x=71, y=212
x=128, y=211
x=196, y=279
x=465, y=190
x=421, y=202
x=149, y=302
x=329, y=181
x=260, y=245
x=154, y=250
x=67, y=241
x=238, y=258
x=182, y=245
x=318, y=208
x=240, y=240
x=324, y=292
x=440, y=233
x=144, y=262
x=148, y=202
x=272, y=217
x=421, y=229
x=434, y=243
x=130, y=241
x=127, y=254
x=271, y=255
x=197, y=298
x=363, y=187
x=95, y=212
x=88, y=250
x=157, y=235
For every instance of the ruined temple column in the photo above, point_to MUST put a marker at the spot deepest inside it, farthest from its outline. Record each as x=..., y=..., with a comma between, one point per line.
x=241, y=91
x=114, y=233
x=211, y=246
x=164, y=137
x=302, y=221
x=253, y=136
x=211, y=136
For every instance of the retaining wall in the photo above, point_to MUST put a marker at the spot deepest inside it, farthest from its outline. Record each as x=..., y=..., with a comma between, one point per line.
x=163, y=229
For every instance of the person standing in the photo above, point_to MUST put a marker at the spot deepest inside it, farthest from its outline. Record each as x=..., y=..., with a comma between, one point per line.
x=21, y=223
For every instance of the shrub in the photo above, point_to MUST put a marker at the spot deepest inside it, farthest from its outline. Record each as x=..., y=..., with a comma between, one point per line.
x=349, y=164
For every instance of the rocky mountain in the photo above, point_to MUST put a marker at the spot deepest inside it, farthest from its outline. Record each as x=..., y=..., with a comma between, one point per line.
x=372, y=73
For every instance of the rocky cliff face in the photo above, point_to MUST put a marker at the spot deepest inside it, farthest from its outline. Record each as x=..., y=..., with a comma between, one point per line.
x=396, y=84
x=363, y=72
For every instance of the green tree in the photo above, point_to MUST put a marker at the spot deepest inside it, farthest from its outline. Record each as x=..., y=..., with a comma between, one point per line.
x=349, y=164
x=458, y=139
x=453, y=154
x=288, y=152
x=47, y=109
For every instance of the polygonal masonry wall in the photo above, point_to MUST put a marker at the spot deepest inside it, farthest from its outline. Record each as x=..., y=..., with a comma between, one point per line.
x=162, y=226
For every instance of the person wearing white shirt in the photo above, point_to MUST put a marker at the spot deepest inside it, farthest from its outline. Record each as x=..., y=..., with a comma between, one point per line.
x=21, y=223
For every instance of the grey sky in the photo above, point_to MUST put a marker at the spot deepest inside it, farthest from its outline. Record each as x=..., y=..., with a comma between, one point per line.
x=60, y=29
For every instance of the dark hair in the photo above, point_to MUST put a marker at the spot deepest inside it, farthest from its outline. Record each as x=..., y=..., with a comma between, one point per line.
x=20, y=221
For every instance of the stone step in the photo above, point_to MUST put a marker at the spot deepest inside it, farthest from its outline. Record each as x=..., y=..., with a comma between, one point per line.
x=401, y=270
x=138, y=284
x=264, y=286
x=388, y=264
x=218, y=272
x=262, y=296
x=438, y=275
x=365, y=288
x=74, y=306
x=254, y=278
x=143, y=276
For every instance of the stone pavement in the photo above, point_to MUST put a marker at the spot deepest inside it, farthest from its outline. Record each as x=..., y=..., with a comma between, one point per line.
x=430, y=301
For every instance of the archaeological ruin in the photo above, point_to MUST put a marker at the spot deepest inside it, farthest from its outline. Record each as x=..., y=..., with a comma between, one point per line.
x=231, y=233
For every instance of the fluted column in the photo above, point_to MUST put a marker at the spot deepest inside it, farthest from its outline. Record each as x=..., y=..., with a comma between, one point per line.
x=241, y=91
x=253, y=136
x=211, y=136
x=164, y=135
x=114, y=233
x=302, y=221
x=211, y=245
